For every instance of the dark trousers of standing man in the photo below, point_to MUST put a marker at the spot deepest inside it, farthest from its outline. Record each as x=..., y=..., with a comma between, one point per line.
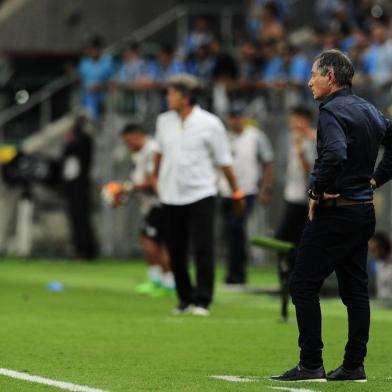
x=236, y=238
x=185, y=224
x=336, y=240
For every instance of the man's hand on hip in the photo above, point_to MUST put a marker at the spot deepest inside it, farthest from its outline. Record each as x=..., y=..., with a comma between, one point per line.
x=314, y=203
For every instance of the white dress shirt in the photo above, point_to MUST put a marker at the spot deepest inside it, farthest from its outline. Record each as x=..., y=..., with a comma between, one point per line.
x=191, y=150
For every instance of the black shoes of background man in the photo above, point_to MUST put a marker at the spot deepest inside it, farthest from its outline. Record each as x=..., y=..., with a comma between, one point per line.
x=299, y=373
x=342, y=374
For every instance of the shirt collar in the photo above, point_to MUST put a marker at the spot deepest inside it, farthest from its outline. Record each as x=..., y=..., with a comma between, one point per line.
x=192, y=114
x=342, y=92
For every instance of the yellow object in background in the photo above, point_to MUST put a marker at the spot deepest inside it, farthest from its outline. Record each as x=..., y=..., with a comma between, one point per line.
x=7, y=153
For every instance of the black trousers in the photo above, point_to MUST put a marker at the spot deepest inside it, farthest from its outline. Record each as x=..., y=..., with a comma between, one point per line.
x=77, y=194
x=290, y=229
x=192, y=223
x=336, y=240
x=236, y=238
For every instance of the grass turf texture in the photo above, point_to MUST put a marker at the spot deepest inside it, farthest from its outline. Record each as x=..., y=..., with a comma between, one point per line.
x=98, y=332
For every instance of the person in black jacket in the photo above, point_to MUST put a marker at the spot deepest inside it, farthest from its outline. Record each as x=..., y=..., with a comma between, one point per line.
x=341, y=217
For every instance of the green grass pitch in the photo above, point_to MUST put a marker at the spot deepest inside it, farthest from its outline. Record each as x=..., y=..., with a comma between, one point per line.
x=99, y=332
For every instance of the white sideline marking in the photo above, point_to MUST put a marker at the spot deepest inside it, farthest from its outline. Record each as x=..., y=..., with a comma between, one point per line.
x=235, y=378
x=40, y=380
x=293, y=389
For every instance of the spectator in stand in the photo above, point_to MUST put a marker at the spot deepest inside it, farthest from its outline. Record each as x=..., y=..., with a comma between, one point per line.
x=247, y=61
x=272, y=70
x=132, y=73
x=296, y=66
x=253, y=166
x=132, y=79
x=200, y=35
x=95, y=71
x=361, y=81
x=378, y=36
x=380, y=73
x=316, y=41
x=380, y=249
x=325, y=11
x=201, y=64
x=347, y=36
x=360, y=13
x=255, y=10
x=166, y=66
x=225, y=67
x=271, y=27
x=224, y=76
x=331, y=39
x=364, y=12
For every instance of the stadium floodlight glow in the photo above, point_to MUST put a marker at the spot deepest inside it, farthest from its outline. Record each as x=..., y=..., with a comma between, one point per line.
x=22, y=96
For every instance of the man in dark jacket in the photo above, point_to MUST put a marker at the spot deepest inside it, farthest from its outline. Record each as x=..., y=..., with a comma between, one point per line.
x=341, y=217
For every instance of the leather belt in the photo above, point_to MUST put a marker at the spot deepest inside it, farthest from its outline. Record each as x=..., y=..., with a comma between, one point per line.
x=343, y=202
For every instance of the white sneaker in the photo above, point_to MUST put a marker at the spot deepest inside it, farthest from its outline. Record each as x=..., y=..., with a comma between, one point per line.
x=200, y=311
x=182, y=308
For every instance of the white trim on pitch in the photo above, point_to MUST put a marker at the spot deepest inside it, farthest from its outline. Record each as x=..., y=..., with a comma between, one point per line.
x=293, y=389
x=234, y=378
x=46, y=381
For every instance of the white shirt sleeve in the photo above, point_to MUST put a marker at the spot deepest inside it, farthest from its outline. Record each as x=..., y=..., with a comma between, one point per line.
x=158, y=136
x=150, y=159
x=264, y=148
x=219, y=143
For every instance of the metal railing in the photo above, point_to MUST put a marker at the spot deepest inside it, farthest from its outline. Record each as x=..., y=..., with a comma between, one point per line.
x=179, y=15
x=40, y=98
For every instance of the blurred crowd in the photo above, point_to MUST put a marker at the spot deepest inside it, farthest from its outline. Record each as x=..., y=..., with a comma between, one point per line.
x=267, y=55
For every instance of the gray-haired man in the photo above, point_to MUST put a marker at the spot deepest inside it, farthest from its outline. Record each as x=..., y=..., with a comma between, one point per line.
x=341, y=217
x=191, y=144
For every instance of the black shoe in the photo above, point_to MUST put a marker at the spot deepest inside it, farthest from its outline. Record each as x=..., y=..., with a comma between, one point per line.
x=299, y=373
x=342, y=374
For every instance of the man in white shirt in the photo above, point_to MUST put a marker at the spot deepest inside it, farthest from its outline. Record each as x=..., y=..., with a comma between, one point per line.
x=253, y=165
x=142, y=150
x=191, y=144
x=300, y=157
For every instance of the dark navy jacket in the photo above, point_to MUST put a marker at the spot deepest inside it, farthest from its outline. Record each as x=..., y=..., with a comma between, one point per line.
x=349, y=134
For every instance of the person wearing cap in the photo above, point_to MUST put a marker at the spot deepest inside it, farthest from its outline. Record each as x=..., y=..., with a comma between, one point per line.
x=191, y=144
x=253, y=165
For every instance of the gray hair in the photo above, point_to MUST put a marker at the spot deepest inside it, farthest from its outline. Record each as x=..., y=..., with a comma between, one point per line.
x=187, y=85
x=341, y=65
